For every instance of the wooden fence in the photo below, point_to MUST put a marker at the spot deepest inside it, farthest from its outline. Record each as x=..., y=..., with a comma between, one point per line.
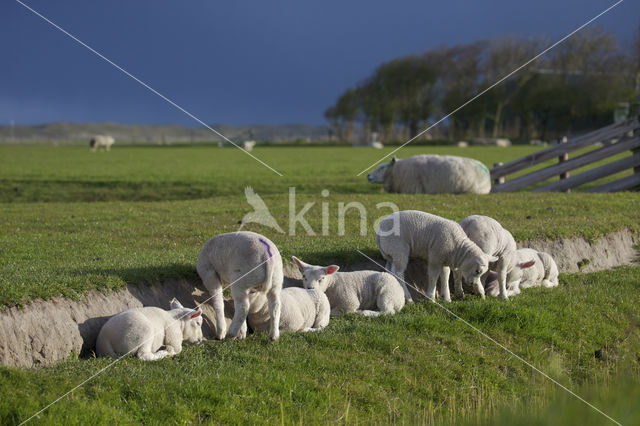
x=615, y=139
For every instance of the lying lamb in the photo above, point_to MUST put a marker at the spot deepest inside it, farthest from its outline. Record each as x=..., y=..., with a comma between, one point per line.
x=101, y=141
x=542, y=271
x=243, y=261
x=440, y=242
x=145, y=330
x=302, y=310
x=433, y=174
x=494, y=240
x=367, y=293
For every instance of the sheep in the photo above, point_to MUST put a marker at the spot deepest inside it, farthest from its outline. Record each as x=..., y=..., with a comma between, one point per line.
x=302, y=310
x=248, y=145
x=145, y=330
x=368, y=293
x=494, y=240
x=101, y=141
x=242, y=260
x=541, y=271
x=433, y=174
x=440, y=242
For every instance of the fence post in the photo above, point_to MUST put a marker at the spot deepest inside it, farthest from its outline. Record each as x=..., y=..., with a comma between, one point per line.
x=561, y=159
x=499, y=180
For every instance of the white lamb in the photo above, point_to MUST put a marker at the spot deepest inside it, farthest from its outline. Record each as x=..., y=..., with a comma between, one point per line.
x=101, y=141
x=494, y=240
x=542, y=271
x=368, y=293
x=144, y=331
x=248, y=145
x=433, y=174
x=302, y=310
x=440, y=242
x=242, y=261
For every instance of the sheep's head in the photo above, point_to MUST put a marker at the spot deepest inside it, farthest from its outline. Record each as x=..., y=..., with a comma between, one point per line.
x=315, y=276
x=191, y=322
x=377, y=176
x=475, y=266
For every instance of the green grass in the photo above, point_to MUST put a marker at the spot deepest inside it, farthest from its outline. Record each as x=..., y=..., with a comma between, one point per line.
x=419, y=366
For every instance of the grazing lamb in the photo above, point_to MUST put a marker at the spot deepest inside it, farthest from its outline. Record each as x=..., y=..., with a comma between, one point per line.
x=243, y=261
x=144, y=331
x=494, y=240
x=248, y=145
x=440, y=242
x=302, y=310
x=543, y=272
x=99, y=141
x=368, y=293
x=433, y=174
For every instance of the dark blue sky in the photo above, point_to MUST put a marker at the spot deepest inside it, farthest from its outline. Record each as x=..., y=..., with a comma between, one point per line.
x=242, y=62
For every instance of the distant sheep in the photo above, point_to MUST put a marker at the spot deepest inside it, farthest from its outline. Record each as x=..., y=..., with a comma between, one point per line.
x=543, y=272
x=301, y=310
x=368, y=293
x=143, y=331
x=243, y=261
x=440, y=242
x=248, y=145
x=100, y=141
x=433, y=174
x=494, y=240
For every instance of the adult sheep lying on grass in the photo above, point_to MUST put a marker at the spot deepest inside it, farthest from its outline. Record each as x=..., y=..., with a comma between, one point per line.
x=368, y=293
x=301, y=310
x=494, y=240
x=144, y=331
x=541, y=271
x=433, y=174
x=101, y=141
x=440, y=242
x=242, y=261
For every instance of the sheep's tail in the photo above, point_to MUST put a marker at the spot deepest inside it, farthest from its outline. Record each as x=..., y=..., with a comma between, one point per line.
x=269, y=266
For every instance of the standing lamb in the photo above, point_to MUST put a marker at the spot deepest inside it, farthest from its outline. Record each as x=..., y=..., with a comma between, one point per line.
x=433, y=174
x=145, y=330
x=543, y=272
x=243, y=261
x=440, y=242
x=99, y=141
x=368, y=293
x=302, y=310
x=494, y=240
x=248, y=145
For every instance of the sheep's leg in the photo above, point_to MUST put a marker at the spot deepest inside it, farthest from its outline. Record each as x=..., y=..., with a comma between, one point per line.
x=548, y=284
x=434, y=273
x=212, y=282
x=275, y=307
x=398, y=266
x=311, y=329
x=173, y=340
x=444, y=284
x=370, y=314
x=241, y=305
x=145, y=353
x=457, y=284
x=502, y=278
x=514, y=288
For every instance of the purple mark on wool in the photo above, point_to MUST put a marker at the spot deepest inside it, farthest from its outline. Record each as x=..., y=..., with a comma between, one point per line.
x=267, y=246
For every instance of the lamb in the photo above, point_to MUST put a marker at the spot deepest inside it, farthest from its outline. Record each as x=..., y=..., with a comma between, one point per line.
x=248, y=145
x=101, y=141
x=243, y=261
x=440, y=242
x=302, y=310
x=494, y=240
x=368, y=293
x=544, y=272
x=433, y=174
x=144, y=331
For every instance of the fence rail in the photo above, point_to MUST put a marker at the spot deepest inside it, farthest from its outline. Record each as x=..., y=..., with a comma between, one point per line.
x=617, y=138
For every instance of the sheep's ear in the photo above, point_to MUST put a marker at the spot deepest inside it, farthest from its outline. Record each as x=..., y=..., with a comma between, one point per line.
x=331, y=269
x=301, y=265
x=527, y=264
x=393, y=160
x=196, y=314
x=493, y=259
x=174, y=304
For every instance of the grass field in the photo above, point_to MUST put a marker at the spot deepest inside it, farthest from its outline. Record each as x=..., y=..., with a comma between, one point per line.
x=72, y=221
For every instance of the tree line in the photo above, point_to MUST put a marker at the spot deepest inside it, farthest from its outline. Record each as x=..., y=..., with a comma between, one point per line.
x=575, y=87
